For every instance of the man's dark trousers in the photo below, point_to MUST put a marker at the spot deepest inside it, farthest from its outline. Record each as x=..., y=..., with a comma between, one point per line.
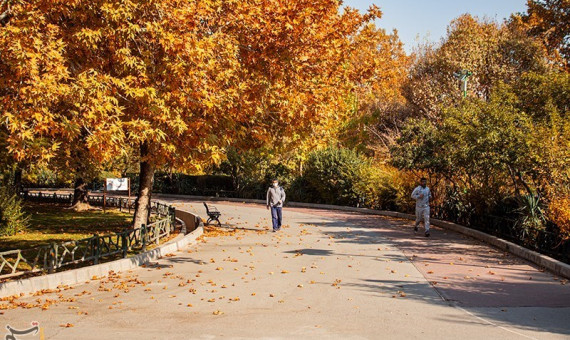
x=276, y=216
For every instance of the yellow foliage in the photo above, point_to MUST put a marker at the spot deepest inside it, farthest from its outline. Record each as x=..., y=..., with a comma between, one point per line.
x=559, y=213
x=105, y=75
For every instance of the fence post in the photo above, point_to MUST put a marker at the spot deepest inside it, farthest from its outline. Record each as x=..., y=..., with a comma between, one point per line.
x=52, y=256
x=96, y=248
x=172, y=212
x=124, y=243
x=157, y=233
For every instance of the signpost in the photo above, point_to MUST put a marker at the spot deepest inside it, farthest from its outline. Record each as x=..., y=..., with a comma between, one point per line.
x=463, y=76
x=116, y=185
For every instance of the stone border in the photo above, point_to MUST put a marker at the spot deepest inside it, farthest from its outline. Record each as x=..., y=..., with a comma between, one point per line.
x=555, y=266
x=80, y=275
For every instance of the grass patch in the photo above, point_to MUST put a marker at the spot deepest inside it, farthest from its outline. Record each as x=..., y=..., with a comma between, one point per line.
x=55, y=223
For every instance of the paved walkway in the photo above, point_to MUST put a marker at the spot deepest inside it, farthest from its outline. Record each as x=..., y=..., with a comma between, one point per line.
x=326, y=275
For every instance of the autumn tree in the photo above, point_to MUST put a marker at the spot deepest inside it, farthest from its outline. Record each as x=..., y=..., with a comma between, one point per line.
x=493, y=52
x=177, y=80
x=549, y=20
x=501, y=150
x=379, y=67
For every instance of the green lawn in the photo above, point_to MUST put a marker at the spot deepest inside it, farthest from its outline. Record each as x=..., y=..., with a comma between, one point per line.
x=55, y=223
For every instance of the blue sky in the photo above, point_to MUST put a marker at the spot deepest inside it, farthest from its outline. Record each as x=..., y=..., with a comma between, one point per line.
x=428, y=19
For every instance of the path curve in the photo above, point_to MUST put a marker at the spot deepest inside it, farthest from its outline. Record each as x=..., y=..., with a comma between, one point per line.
x=327, y=274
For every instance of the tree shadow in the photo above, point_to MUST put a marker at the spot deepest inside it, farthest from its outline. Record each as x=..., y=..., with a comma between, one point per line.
x=552, y=320
x=399, y=288
x=463, y=270
x=311, y=252
x=55, y=223
x=183, y=259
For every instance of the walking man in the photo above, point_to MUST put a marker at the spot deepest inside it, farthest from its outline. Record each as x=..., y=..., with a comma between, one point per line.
x=275, y=199
x=422, y=195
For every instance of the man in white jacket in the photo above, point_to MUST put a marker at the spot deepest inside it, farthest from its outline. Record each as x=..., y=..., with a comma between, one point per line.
x=422, y=195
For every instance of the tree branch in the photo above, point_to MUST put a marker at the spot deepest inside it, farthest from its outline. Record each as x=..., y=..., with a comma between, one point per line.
x=7, y=14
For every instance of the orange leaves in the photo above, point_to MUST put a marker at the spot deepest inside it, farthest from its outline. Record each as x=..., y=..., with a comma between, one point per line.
x=559, y=213
x=112, y=76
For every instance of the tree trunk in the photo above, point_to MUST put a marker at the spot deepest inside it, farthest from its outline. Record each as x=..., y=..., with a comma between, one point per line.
x=80, y=193
x=142, y=204
x=18, y=180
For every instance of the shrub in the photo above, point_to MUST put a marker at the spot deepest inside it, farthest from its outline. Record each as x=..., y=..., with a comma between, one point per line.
x=559, y=213
x=12, y=218
x=381, y=187
x=531, y=217
x=332, y=173
x=302, y=191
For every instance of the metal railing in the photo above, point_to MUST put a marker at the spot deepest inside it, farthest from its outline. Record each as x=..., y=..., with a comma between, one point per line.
x=51, y=257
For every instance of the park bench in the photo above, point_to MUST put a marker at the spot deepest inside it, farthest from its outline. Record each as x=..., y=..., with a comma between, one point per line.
x=213, y=214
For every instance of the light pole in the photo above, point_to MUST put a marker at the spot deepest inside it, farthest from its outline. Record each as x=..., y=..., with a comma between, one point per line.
x=463, y=75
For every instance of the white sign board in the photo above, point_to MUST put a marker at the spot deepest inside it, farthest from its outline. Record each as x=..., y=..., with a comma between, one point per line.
x=117, y=184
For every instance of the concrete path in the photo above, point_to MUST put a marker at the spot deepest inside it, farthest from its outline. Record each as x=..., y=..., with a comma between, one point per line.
x=325, y=275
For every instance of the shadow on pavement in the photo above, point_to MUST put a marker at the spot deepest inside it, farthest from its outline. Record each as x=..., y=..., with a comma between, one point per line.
x=311, y=251
x=463, y=270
